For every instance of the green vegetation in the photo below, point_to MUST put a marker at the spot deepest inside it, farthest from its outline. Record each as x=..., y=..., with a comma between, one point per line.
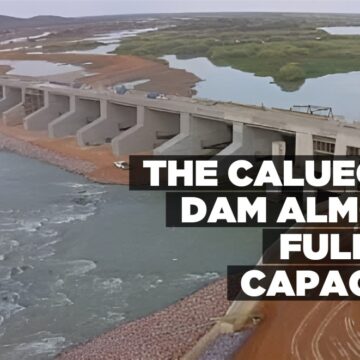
x=71, y=46
x=291, y=72
x=289, y=48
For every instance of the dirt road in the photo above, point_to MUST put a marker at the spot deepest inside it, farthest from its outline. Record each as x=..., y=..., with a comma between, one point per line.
x=305, y=330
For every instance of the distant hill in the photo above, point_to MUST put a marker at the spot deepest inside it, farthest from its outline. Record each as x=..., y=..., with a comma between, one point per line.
x=8, y=22
x=13, y=22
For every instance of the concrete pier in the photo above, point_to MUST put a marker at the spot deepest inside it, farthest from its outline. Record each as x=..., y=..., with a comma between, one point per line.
x=54, y=107
x=152, y=129
x=304, y=144
x=82, y=112
x=198, y=136
x=31, y=101
x=12, y=104
x=247, y=140
x=114, y=120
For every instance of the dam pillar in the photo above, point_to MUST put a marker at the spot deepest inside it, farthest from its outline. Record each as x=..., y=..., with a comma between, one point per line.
x=304, y=144
x=32, y=101
x=341, y=145
x=54, y=107
x=153, y=128
x=114, y=120
x=198, y=136
x=247, y=140
x=202, y=136
x=13, y=97
x=82, y=112
x=237, y=145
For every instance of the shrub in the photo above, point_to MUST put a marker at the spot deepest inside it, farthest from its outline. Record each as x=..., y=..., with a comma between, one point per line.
x=291, y=72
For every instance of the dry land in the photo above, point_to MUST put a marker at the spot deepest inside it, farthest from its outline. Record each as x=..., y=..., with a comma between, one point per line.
x=111, y=70
x=296, y=330
x=95, y=163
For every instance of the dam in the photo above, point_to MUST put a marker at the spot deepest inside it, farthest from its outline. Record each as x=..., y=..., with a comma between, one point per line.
x=133, y=123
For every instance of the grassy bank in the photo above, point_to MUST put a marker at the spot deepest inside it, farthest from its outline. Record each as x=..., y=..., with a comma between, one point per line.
x=288, y=48
x=71, y=46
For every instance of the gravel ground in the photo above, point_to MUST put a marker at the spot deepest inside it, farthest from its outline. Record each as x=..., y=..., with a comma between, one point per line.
x=164, y=335
x=225, y=346
x=36, y=152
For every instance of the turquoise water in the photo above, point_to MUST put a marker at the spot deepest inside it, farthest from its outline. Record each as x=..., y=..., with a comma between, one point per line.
x=77, y=258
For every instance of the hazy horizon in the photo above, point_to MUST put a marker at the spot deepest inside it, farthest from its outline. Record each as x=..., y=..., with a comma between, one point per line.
x=185, y=13
x=82, y=8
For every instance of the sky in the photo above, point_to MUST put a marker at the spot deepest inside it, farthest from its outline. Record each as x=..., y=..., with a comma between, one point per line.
x=28, y=8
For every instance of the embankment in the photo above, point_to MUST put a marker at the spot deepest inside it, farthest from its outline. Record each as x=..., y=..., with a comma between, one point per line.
x=167, y=334
x=95, y=163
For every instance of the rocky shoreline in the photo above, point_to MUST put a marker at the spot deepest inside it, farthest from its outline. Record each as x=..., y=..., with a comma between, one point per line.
x=165, y=335
x=24, y=148
x=95, y=163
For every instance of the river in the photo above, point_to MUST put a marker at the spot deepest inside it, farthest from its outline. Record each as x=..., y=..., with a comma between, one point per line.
x=111, y=41
x=77, y=258
x=339, y=91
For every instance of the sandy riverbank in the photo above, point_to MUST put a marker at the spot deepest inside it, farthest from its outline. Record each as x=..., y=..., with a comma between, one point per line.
x=95, y=163
x=4, y=69
x=165, y=335
x=108, y=70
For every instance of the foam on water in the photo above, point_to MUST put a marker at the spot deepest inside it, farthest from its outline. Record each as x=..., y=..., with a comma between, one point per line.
x=28, y=241
x=9, y=304
x=111, y=285
x=147, y=282
x=61, y=300
x=7, y=245
x=78, y=267
x=115, y=317
x=65, y=219
x=208, y=276
x=48, y=344
x=5, y=273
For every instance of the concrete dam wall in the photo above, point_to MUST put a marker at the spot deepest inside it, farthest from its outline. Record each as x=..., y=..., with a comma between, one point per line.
x=132, y=123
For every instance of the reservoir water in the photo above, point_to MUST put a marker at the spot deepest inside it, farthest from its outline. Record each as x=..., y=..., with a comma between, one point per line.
x=110, y=41
x=339, y=91
x=77, y=258
x=342, y=30
x=38, y=67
